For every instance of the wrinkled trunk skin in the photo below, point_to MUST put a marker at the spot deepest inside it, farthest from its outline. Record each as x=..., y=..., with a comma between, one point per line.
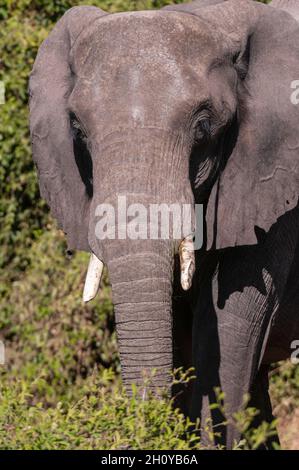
x=147, y=165
x=142, y=288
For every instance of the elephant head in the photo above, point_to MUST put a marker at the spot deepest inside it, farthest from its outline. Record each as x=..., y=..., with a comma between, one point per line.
x=171, y=106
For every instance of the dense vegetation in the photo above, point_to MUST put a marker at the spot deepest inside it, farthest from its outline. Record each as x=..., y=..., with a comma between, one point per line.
x=60, y=385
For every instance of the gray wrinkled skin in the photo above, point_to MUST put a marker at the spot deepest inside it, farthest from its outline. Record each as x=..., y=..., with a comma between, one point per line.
x=187, y=104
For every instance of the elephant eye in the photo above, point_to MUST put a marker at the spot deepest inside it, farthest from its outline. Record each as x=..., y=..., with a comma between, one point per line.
x=82, y=154
x=202, y=130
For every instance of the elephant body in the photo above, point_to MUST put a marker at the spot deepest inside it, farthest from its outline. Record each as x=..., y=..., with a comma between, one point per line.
x=245, y=318
x=187, y=105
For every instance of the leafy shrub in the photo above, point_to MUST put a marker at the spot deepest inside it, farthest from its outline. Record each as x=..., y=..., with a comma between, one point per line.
x=103, y=417
x=284, y=387
x=47, y=327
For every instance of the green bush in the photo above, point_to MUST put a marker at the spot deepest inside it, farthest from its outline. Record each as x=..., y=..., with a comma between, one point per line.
x=103, y=417
x=47, y=327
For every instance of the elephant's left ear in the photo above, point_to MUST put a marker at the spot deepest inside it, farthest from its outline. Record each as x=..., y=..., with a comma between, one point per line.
x=260, y=181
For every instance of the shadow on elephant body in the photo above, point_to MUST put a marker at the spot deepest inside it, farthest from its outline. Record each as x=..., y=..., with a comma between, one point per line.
x=246, y=266
x=236, y=297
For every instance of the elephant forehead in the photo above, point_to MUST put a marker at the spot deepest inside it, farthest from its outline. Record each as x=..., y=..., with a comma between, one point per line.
x=151, y=39
x=135, y=64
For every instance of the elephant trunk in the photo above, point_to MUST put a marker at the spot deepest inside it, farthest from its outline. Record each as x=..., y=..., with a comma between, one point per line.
x=139, y=175
x=142, y=289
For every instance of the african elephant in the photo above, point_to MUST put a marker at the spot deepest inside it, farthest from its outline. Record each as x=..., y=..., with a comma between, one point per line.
x=191, y=104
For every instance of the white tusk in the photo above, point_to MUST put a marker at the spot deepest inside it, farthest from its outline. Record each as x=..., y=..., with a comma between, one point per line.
x=93, y=278
x=187, y=261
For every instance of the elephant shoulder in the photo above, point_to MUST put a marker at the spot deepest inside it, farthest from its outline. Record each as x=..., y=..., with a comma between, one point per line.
x=290, y=6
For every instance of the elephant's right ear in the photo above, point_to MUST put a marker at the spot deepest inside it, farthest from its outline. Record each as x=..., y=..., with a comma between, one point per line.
x=259, y=179
x=53, y=141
